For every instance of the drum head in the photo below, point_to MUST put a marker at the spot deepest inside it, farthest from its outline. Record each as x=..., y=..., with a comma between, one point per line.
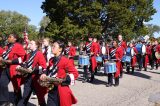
x=143, y=49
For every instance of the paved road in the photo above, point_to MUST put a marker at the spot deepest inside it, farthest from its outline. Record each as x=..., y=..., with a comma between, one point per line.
x=134, y=90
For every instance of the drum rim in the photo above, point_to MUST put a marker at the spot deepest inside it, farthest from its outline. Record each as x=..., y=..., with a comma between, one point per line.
x=83, y=56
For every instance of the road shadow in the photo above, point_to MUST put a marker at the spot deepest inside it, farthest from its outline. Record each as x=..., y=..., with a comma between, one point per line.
x=139, y=74
x=98, y=82
x=154, y=72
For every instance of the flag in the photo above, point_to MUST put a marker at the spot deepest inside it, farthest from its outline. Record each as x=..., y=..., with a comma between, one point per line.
x=25, y=38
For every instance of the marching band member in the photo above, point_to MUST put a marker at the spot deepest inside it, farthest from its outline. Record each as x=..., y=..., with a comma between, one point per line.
x=149, y=53
x=133, y=57
x=123, y=45
x=60, y=67
x=70, y=51
x=115, y=54
x=141, y=56
x=87, y=51
x=46, y=50
x=12, y=56
x=155, y=48
x=35, y=61
x=146, y=58
x=95, y=51
x=104, y=52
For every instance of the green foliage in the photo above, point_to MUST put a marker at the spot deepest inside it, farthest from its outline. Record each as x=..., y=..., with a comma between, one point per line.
x=13, y=22
x=128, y=16
x=152, y=29
x=44, y=22
x=71, y=19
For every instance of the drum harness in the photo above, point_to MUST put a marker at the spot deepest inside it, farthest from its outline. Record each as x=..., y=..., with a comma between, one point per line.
x=5, y=55
x=67, y=50
x=112, y=54
x=28, y=64
x=88, y=47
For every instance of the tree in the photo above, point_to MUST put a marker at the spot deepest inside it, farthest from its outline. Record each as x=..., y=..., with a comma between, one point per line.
x=152, y=29
x=127, y=17
x=70, y=18
x=43, y=24
x=45, y=21
x=13, y=22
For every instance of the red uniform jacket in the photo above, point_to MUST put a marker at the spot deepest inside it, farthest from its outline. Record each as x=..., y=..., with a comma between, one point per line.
x=39, y=63
x=72, y=51
x=148, y=50
x=134, y=58
x=17, y=52
x=1, y=51
x=146, y=57
x=158, y=50
x=65, y=94
x=71, y=54
x=95, y=49
x=124, y=45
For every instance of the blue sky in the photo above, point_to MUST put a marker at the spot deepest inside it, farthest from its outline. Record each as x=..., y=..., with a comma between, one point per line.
x=31, y=8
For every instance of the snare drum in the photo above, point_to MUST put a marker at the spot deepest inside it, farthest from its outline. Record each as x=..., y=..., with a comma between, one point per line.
x=99, y=59
x=110, y=67
x=83, y=60
x=126, y=59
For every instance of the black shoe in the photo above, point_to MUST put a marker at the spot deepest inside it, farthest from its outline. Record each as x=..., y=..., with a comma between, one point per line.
x=84, y=81
x=121, y=75
x=91, y=80
x=108, y=85
x=152, y=68
x=132, y=70
x=116, y=85
x=145, y=69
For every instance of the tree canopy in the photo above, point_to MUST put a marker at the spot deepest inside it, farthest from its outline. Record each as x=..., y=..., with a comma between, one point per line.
x=71, y=19
x=14, y=22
